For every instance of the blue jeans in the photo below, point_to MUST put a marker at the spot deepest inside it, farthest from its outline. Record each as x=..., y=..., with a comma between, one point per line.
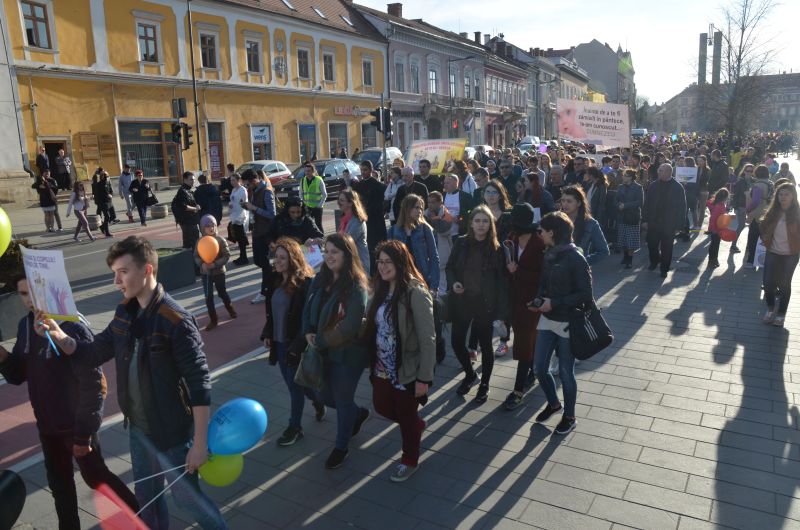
x=297, y=393
x=546, y=342
x=339, y=392
x=146, y=460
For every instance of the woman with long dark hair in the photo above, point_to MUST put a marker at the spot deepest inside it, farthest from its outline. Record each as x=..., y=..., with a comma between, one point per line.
x=565, y=286
x=536, y=195
x=401, y=339
x=287, y=287
x=332, y=318
x=596, y=188
x=476, y=277
x=354, y=223
x=412, y=229
x=780, y=231
x=588, y=235
x=47, y=188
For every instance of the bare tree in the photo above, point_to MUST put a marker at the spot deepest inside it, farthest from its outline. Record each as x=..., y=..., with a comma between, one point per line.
x=738, y=103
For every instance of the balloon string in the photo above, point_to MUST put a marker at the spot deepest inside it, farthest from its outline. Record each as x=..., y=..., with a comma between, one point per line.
x=162, y=492
x=158, y=474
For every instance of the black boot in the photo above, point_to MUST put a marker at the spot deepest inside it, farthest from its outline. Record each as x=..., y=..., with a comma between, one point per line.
x=212, y=319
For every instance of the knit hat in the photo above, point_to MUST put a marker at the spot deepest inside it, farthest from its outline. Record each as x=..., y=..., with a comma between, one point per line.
x=522, y=216
x=208, y=220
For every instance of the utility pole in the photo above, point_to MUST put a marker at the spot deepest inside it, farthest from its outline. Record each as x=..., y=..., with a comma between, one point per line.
x=194, y=87
x=383, y=142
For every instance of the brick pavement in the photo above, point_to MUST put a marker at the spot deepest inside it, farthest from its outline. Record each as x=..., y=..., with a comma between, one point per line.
x=689, y=421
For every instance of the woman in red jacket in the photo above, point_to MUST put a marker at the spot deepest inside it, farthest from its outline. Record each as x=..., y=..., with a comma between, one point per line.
x=524, y=258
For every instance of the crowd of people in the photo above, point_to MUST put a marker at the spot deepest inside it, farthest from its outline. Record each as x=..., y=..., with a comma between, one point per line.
x=502, y=245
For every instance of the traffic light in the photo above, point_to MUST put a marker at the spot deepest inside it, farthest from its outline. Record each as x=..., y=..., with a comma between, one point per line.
x=455, y=124
x=176, y=133
x=387, y=124
x=377, y=121
x=187, y=136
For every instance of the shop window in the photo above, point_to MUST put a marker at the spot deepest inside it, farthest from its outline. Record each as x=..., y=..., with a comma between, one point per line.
x=37, y=24
x=148, y=146
x=261, y=139
x=337, y=135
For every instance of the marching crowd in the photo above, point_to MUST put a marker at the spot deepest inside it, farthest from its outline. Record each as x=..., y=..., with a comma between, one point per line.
x=500, y=245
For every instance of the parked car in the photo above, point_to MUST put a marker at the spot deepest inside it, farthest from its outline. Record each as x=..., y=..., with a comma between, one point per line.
x=275, y=170
x=375, y=155
x=330, y=169
x=531, y=140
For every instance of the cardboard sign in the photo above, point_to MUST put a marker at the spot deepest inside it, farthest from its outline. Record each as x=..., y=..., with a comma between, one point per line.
x=313, y=255
x=48, y=283
x=686, y=174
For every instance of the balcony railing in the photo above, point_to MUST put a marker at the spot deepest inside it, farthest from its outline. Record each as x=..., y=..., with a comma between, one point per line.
x=446, y=101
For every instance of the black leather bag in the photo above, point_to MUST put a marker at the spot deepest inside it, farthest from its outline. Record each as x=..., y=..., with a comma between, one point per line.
x=589, y=333
x=151, y=199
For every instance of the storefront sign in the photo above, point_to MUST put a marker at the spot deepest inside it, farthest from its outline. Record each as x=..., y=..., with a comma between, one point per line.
x=438, y=152
x=350, y=110
x=605, y=125
x=150, y=132
x=260, y=134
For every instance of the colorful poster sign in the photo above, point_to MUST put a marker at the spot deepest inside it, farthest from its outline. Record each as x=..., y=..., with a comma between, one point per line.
x=605, y=125
x=313, y=255
x=686, y=174
x=48, y=283
x=438, y=152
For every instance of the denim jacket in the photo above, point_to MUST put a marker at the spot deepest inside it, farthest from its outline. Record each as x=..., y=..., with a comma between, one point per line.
x=422, y=244
x=592, y=242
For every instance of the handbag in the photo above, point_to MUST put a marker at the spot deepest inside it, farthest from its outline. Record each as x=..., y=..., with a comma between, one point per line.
x=589, y=333
x=151, y=199
x=310, y=371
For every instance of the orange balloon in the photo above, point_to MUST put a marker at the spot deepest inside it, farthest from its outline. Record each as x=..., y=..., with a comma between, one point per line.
x=208, y=248
x=724, y=220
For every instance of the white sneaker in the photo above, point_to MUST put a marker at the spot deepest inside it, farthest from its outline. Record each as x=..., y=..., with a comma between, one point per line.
x=402, y=473
x=259, y=299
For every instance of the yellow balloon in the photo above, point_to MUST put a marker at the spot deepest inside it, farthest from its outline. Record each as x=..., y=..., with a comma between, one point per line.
x=5, y=231
x=222, y=470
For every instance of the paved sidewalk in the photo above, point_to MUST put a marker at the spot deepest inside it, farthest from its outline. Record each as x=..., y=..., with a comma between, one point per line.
x=689, y=421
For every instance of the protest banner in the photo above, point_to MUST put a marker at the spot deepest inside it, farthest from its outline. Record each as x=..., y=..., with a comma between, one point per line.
x=686, y=174
x=438, y=152
x=48, y=283
x=605, y=125
x=313, y=255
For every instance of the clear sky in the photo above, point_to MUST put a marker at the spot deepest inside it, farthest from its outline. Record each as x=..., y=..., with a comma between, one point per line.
x=662, y=37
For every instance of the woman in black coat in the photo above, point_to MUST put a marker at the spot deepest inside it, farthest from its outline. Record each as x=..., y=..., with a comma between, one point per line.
x=287, y=287
x=566, y=285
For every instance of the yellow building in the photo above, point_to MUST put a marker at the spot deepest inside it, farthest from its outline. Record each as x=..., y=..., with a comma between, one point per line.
x=282, y=79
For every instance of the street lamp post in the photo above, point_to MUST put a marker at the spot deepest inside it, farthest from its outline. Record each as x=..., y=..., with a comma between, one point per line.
x=194, y=88
x=452, y=88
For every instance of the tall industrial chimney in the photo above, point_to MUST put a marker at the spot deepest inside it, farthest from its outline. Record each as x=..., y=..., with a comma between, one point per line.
x=702, y=59
x=716, y=61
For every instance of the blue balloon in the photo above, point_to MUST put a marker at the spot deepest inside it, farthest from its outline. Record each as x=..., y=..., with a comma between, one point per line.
x=236, y=427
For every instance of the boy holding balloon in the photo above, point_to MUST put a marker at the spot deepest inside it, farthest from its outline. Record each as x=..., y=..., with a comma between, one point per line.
x=210, y=255
x=163, y=384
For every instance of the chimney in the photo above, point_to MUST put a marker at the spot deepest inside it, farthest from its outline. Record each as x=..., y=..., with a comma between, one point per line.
x=463, y=35
x=477, y=37
x=702, y=59
x=486, y=39
x=395, y=9
x=716, y=59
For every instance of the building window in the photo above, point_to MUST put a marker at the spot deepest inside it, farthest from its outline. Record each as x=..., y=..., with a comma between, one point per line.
x=261, y=139
x=303, y=71
x=253, y=51
x=433, y=85
x=148, y=43
x=477, y=88
x=452, y=84
x=208, y=50
x=399, y=77
x=416, y=131
x=467, y=86
x=337, y=136
x=328, y=69
x=366, y=66
x=37, y=26
x=414, y=71
x=148, y=146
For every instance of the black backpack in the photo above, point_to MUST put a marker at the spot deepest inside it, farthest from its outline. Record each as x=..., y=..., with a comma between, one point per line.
x=178, y=208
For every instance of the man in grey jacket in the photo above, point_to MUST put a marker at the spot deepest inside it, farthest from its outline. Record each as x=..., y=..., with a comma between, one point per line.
x=124, y=184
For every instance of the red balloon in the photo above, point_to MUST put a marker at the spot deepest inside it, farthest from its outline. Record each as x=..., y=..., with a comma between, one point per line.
x=727, y=235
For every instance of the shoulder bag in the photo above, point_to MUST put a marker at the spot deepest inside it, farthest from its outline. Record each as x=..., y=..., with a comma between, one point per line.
x=589, y=333
x=151, y=198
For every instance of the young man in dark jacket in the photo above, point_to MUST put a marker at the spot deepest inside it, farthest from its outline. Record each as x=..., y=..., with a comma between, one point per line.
x=262, y=211
x=163, y=383
x=208, y=199
x=67, y=400
x=187, y=212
